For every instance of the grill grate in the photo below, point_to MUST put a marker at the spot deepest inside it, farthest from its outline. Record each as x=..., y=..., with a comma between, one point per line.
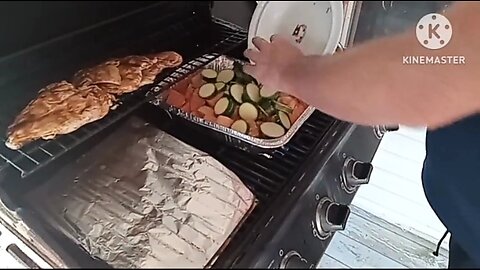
x=225, y=36
x=266, y=176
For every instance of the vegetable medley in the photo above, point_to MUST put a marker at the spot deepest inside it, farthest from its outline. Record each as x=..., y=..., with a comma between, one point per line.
x=232, y=98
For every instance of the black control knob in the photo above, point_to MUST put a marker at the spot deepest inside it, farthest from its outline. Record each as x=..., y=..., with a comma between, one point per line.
x=293, y=260
x=391, y=128
x=381, y=130
x=355, y=173
x=330, y=217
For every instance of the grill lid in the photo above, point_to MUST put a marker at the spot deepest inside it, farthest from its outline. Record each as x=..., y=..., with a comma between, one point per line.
x=315, y=26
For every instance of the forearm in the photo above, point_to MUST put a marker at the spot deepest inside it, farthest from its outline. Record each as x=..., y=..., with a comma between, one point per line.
x=370, y=85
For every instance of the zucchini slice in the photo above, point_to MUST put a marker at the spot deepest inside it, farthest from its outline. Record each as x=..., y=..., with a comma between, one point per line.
x=225, y=76
x=248, y=112
x=209, y=75
x=224, y=106
x=207, y=90
x=236, y=91
x=252, y=93
x=272, y=130
x=284, y=120
x=267, y=92
x=220, y=86
x=240, y=126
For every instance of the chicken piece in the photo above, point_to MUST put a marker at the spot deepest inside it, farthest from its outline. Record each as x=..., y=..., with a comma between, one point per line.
x=127, y=74
x=60, y=108
x=161, y=61
x=131, y=70
x=131, y=78
x=167, y=59
x=107, y=72
x=142, y=62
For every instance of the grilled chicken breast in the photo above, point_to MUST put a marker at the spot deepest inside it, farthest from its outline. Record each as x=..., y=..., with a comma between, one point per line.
x=128, y=73
x=60, y=108
x=63, y=107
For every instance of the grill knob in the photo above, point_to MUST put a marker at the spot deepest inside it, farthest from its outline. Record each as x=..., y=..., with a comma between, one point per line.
x=381, y=130
x=330, y=217
x=355, y=173
x=293, y=260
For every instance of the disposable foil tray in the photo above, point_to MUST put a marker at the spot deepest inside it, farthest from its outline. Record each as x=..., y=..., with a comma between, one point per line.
x=231, y=136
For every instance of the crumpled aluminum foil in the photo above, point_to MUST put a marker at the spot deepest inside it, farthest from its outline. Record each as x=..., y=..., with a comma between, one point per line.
x=142, y=198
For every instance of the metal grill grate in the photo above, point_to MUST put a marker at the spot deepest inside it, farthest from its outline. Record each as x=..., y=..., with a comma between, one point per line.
x=40, y=153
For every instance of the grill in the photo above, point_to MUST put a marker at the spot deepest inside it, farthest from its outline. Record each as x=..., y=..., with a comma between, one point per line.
x=187, y=28
x=38, y=154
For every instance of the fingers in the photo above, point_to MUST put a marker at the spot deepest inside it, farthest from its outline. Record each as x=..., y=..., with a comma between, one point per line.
x=251, y=54
x=260, y=43
x=274, y=38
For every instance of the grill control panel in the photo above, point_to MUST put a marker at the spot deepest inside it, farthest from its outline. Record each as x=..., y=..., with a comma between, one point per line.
x=321, y=207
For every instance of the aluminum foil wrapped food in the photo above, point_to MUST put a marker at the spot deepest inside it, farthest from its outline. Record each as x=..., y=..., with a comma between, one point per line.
x=142, y=198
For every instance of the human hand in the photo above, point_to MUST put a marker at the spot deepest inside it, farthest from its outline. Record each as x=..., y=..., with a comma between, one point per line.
x=273, y=62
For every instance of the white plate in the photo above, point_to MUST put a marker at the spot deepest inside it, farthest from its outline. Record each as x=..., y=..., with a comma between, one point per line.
x=314, y=26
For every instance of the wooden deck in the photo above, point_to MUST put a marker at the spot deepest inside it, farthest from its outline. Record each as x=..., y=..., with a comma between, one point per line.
x=370, y=242
x=391, y=225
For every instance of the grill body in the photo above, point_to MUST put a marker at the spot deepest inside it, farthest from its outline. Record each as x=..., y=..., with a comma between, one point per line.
x=289, y=184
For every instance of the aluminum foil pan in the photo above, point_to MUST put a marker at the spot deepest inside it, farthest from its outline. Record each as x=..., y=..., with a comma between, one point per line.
x=222, y=62
x=143, y=199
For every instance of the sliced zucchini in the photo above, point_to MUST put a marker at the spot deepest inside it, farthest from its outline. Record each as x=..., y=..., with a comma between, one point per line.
x=207, y=90
x=248, y=112
x=282, y=107
x=224, y=106
x=240, y=126
x=267, y=92
x=236, y=91
x=225, y=76
x=272, y=130
x=220, y=86
x=209, y=75
x=284, y=120
x=252, y=93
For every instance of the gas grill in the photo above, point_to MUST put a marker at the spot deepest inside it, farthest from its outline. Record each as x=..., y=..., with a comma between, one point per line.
x=303, y=188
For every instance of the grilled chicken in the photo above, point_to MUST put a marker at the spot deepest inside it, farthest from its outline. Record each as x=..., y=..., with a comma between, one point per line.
x=63, y=107
x=161, y=60
x=107, y=72
x=127, y=74
x=59, y=109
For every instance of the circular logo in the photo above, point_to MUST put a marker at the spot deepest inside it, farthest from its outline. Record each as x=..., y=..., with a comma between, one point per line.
x=434, y=31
